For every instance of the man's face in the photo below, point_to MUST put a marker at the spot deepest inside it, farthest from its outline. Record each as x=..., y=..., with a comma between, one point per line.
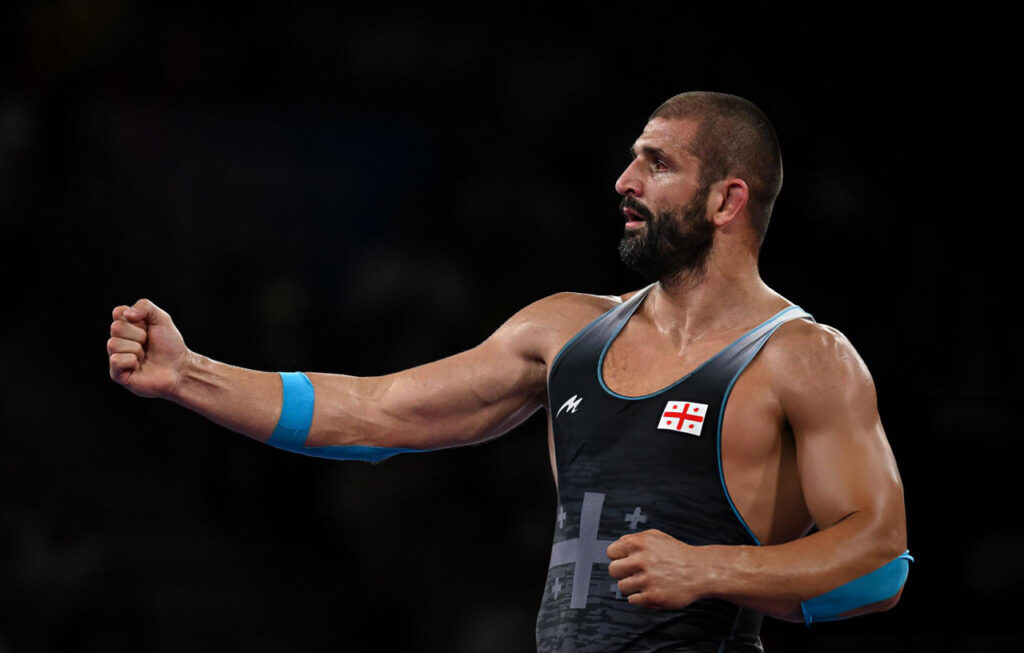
x=667, y=231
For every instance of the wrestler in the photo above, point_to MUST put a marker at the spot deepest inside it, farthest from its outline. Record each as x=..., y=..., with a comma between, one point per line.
x=698, y=428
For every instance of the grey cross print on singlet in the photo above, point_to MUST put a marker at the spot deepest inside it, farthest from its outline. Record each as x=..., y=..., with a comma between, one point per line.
x=634, y=517
x=561, y=517
x=584, y=551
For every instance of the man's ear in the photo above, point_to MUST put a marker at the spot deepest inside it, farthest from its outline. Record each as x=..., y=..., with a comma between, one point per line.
x=728, y=198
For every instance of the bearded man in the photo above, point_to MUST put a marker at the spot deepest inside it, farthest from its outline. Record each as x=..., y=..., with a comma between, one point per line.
x=699, y=428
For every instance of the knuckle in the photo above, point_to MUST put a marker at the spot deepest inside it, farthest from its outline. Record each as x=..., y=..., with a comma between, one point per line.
x=125, y=361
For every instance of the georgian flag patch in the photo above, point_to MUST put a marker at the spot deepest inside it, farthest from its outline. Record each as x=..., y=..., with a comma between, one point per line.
x=683, y=416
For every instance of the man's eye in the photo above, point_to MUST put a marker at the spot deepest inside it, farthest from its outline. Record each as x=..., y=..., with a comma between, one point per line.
x=660, y=165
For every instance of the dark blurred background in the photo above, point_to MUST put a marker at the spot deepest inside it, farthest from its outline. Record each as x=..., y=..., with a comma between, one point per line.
x=361, y=190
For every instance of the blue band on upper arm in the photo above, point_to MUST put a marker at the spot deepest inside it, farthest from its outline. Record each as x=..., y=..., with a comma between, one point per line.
x=292, y=428
x=879, y=585
x=355, y=452
x=296, y=411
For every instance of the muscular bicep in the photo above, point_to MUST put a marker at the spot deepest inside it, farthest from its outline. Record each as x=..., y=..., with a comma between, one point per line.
x=472, y=396
x=844, y=459
x=469, y=397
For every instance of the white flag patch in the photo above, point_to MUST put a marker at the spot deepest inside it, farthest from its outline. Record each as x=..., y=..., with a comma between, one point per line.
x=684, y=416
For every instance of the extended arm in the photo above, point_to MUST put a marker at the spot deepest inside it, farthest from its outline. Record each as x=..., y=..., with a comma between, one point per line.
x=469, y=397
x=852, y=489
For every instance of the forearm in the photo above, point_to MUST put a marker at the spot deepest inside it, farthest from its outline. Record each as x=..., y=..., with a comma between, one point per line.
x=245, y=401
x=366, y=418
x=250, y=402
x=775, y=579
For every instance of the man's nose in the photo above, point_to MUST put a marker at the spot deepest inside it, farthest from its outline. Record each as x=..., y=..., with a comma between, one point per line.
x=629, y=182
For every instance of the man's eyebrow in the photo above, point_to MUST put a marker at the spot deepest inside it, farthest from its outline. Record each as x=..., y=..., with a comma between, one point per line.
x=651, y=152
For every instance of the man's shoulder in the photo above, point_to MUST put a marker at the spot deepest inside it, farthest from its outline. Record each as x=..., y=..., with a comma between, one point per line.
x=822, y=384
x=575, y=305
x=804, y=338
x=811, y=354
x=548, y=323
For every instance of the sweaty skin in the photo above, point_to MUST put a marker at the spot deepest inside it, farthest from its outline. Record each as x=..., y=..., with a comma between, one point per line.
x=802, y=442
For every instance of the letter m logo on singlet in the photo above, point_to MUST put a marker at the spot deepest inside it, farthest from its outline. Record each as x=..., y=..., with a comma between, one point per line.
x=572, y=404
x=684, y=416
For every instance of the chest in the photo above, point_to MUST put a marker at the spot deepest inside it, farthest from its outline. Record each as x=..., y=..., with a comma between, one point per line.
x=640, y=361
x=624, y=394
x=636, y=364
x=706, y=429
x=659, y=387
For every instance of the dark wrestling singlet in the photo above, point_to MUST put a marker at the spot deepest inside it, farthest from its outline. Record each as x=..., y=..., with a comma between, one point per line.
x=627, y=464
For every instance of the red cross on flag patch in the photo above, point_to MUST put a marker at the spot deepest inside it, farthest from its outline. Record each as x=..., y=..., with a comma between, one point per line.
x=685, y=416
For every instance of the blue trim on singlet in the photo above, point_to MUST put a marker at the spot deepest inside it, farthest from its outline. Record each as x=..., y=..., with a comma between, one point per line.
x=607, y=346
x=579, y=334
x=725, y=401
x=582, y=332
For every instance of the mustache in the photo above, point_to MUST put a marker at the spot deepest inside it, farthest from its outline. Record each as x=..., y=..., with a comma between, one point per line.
x=631, y=203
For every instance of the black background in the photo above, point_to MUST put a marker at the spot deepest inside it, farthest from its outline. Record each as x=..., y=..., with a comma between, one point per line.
x=361, y=190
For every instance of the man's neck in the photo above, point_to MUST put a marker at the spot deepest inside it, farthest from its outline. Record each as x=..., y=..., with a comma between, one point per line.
x=722, y=296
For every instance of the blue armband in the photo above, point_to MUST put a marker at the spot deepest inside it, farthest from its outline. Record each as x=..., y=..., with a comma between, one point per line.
x=879, y=585
x=297, y=416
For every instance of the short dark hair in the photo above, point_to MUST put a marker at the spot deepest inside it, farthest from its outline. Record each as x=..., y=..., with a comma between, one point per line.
x=734, y=137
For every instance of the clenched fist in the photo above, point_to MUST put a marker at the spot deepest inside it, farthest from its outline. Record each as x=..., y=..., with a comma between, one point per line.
x=656, y=570
x=147, y=353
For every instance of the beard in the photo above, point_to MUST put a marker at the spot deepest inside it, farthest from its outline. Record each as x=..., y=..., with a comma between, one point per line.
x=671, y=243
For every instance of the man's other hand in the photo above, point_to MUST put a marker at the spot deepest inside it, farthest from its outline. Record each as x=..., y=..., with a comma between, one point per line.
x=656, y=570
